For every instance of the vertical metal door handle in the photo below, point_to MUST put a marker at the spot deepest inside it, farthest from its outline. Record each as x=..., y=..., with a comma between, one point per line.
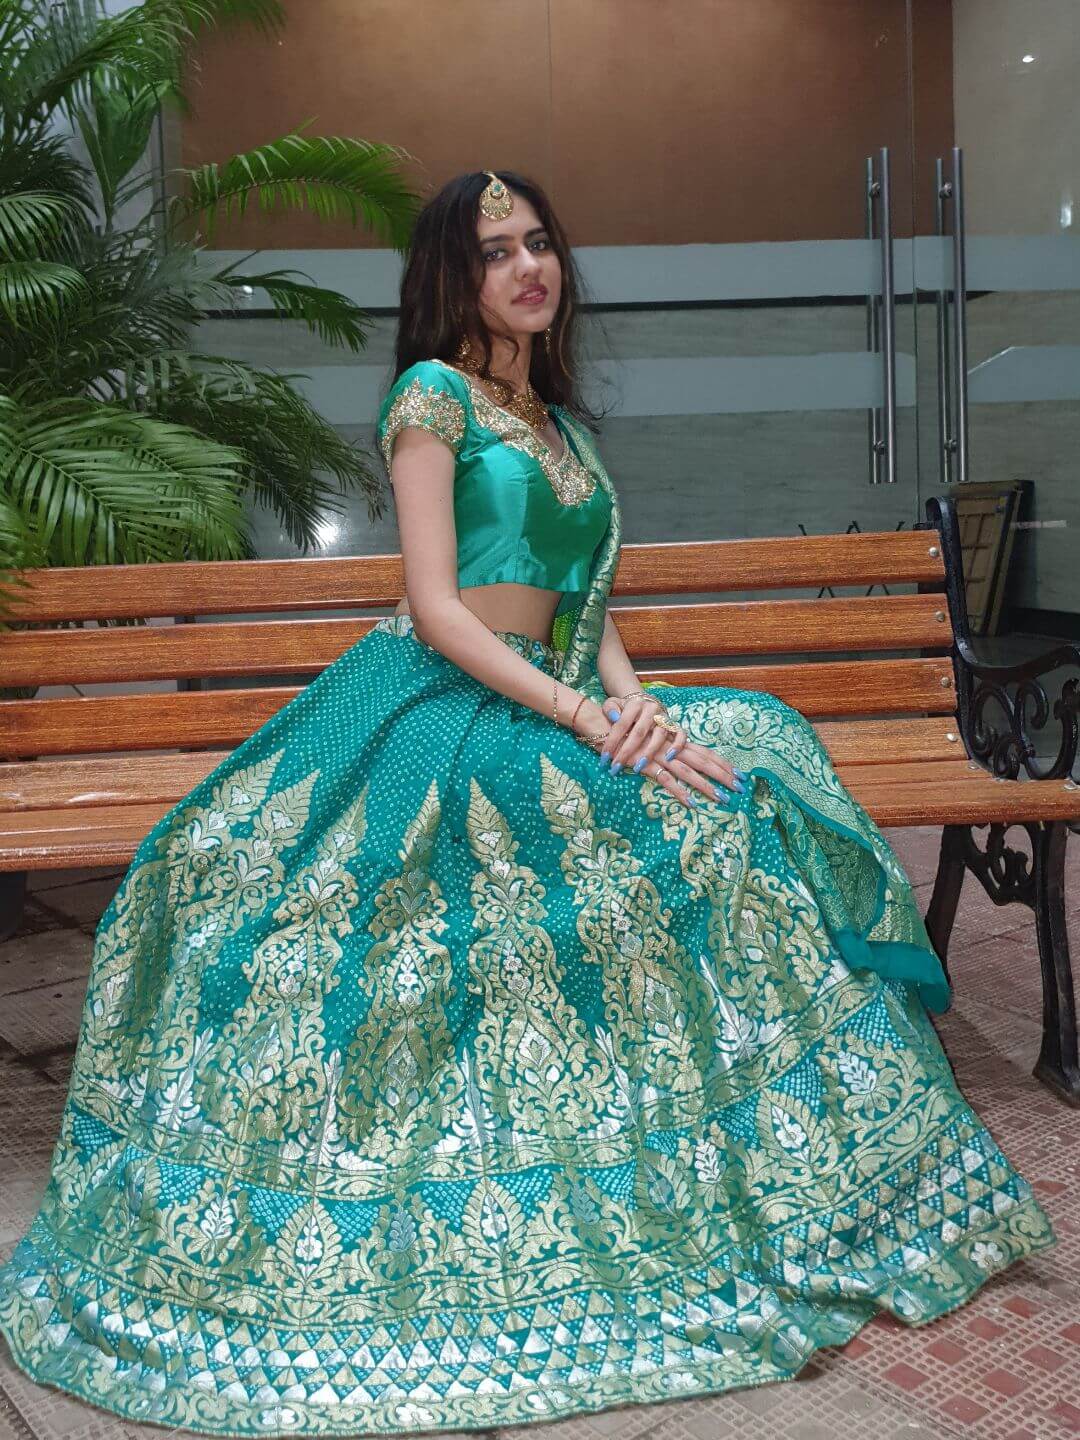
x=960, y=348
x=884, y=445
x=873, y=337
x=946, y=444
x=953, y=427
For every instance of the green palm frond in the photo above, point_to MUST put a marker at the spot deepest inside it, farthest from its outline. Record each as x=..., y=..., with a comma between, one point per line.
x=333, y=176
x=289, y=445
x=328, y=313
x=100, y=485
x=34, y=162
x=116, y=128
x=19, y=550
x=33, y=291
x=74, y=41
x=32, y=222
x=138, y=300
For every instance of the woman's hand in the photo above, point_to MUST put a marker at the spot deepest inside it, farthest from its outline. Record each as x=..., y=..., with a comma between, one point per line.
x=687, y=769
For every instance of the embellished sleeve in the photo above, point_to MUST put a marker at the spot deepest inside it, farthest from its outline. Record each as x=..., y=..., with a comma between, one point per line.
x=427, y=395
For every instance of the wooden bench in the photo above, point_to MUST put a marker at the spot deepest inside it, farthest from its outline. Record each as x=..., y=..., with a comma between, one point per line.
x=906, y=712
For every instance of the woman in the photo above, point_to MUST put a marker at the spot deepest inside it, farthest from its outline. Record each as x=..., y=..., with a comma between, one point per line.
x=437, y=1072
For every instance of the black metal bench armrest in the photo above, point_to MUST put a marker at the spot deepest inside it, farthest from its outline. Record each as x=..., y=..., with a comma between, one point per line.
x=999, y=706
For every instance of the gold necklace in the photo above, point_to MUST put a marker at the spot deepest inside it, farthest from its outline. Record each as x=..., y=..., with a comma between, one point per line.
x=525, y=404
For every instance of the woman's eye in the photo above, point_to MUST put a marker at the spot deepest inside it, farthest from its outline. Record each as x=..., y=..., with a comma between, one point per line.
x=490, y=254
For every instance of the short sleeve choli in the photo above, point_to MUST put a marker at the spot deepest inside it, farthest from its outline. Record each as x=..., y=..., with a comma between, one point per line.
x=521, y=513
x=428, y=396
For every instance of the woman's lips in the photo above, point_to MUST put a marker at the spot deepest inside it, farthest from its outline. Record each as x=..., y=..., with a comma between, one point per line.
x=532, y=297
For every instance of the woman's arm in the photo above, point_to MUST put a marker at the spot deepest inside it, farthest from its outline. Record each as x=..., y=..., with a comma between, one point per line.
x=422, y=476
x=613, y=663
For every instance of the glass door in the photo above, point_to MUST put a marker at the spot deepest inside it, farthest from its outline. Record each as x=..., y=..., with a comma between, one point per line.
x=999, y=327
x=753, y=330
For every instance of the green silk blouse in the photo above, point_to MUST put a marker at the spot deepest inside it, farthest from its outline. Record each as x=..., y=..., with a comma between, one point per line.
x=520, y=513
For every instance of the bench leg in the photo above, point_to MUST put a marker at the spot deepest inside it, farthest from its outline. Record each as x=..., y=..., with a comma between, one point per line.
x=1008, y=876
x=1058, y=1065
x=12, y=901
x=952, y=863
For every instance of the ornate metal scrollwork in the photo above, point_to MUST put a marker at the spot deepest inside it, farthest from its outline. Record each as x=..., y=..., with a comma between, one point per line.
x=1007, y=875
x=1007, y=746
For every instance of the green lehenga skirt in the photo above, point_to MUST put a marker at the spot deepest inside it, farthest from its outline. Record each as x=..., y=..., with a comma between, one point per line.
x=432, y=1077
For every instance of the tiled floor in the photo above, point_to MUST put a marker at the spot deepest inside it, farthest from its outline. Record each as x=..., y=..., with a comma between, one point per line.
x=1004, y=1367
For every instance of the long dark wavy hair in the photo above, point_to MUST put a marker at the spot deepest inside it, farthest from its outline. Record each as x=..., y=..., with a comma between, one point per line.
x=443, y=276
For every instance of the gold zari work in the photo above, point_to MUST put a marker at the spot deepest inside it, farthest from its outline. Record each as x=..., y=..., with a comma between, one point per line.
x=567, y=476
x=428, y=407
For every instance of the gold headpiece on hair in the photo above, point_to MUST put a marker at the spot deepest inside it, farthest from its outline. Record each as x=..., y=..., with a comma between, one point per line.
x=495, y=199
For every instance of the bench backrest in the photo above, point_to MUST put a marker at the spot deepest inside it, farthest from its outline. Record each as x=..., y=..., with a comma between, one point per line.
x=881, y=676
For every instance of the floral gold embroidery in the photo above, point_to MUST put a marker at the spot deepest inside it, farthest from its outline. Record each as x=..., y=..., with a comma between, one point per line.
x=430, y=408
x=572, y=482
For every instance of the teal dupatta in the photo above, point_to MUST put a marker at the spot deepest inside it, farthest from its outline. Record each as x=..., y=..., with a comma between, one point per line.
x=778, y=747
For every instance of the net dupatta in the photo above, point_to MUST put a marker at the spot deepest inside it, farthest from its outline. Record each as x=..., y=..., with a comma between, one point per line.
x=577, y=633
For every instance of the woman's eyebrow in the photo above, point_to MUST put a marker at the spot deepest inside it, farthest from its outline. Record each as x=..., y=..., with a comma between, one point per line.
x=536, y=230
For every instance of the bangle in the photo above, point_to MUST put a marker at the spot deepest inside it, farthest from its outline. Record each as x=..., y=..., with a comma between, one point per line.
x=648, y=695
x=577, y=707
x=588, y=739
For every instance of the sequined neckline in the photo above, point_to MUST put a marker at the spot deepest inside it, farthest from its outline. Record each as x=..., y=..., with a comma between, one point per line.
x=570, y=477
x=516, y=419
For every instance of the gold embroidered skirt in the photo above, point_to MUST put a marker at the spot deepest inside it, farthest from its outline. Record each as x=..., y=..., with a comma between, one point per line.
x=432, y=1077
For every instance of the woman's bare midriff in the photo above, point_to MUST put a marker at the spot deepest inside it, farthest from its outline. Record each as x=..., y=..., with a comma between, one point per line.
x=526, y=609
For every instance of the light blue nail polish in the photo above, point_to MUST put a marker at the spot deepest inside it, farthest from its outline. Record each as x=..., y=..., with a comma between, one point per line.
x=605, y=756
x=695, y=798
x=670, y=753
x=742, y=775
x=639, y=764
x=616, y=766
x=613, y=714
x=740, y=787
x=719, y=792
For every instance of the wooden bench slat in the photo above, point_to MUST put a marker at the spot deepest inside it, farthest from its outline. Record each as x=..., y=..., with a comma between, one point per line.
x=329, y=582
x=104, y=835
x=836, y=687
x=785, y=627
x=973, y=800
x=268, y=647
x=104, y=782
x=226, y=717
x=274, y=647
x=870, y=743
x=107, y=723
x=891, y=557
x=91, y=781
x=91, y=835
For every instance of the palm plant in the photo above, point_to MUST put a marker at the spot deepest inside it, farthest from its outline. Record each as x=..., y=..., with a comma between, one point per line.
x=119, y=440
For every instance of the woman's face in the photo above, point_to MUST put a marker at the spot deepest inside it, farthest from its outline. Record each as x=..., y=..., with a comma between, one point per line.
x=517, y=258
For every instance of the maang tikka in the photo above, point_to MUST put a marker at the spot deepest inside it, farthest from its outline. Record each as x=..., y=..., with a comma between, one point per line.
x=496, y=200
